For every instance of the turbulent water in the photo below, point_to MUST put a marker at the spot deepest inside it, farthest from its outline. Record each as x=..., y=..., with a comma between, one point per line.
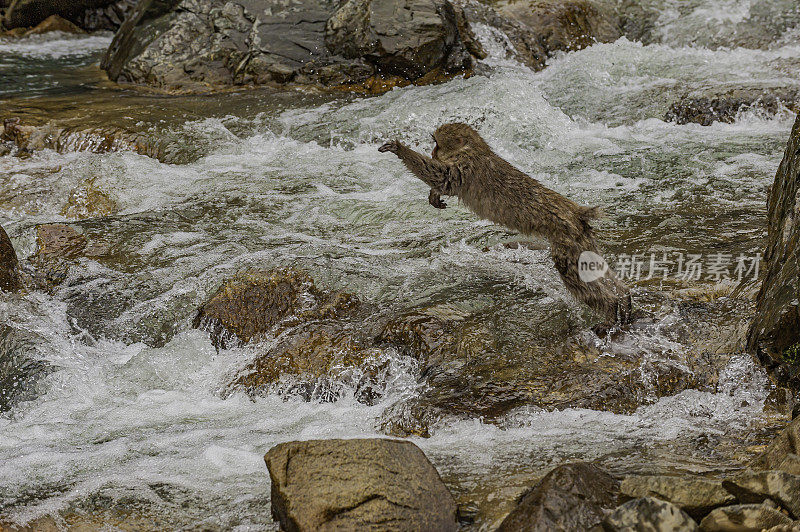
x=129, y=421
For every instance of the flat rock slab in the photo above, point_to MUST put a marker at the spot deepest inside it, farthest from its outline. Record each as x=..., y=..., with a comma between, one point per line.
x=648, y=514
x=743, y=518
x=695, y=496
x=570, y=497
x=757, y=486
x=365, y=484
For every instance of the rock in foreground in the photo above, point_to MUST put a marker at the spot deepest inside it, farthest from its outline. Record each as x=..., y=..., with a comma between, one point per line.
x=368, y=484
x=774, y=335
x=648, y=514
x=570, y=497
x=201, y=45
x=694, y=495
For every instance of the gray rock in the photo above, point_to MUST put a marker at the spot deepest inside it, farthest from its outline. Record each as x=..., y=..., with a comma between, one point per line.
x=648, y=515
x=756, y=486
x=21, y=366
x=570, y=497
x=776, y=324
x=196, y=45
x=539, y=28
x=694, y=495
x=707, y=106
x=87, y=14
x=783, y=452
x=9, y=264
x=743, y=518
x=376, y=484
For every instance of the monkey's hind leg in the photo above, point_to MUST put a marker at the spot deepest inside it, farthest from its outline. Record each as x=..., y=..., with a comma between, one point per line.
x=436, y=200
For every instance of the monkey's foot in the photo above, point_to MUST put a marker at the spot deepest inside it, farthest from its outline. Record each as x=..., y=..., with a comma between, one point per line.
x=392, y=146
x=436, y=200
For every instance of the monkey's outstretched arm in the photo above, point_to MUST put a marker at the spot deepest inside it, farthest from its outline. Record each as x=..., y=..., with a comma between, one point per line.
x=444, y=178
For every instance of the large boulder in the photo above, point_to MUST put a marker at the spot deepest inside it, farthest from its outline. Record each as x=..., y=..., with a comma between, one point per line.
x=366, y=484
x=191, y=45
x=87, y=14
x=9, y=265
x=472, y=369
x=570, y=497
x=774, y=335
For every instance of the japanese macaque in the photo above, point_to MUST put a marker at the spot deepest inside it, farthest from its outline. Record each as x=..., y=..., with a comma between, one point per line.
x=463, y=165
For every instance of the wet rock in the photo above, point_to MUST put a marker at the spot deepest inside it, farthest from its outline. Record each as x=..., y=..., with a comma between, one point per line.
x=775, y=329
x=9, y=264
x=743, y=518
x=251, y=305
x=723, y=105
x=570, y=497
x=59, y=241
x=539, y=28
x=201, y=45
x=783, y=453
x=357, y=485
x=88, y=201
x=320, y=362
x=694, y=495
x=648, y=513
x=29, y=138
x=756, y=486
x=470, y=369
x=89, y=15
x=794, y=527
x=20, y=367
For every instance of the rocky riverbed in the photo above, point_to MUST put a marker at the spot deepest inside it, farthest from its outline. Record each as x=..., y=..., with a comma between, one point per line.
x=210, y=262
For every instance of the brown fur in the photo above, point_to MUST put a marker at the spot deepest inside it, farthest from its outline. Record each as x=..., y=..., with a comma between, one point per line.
x=464, y=165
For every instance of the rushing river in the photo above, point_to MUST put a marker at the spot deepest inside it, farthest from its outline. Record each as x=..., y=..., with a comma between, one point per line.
x=129, y=423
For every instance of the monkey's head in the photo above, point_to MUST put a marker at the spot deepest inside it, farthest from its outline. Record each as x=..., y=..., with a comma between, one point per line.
x=450, y=138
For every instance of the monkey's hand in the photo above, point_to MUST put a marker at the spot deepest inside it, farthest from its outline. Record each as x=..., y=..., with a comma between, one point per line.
x=436, y=200
x=392, y=146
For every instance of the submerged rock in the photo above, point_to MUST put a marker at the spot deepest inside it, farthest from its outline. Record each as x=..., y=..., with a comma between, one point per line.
x=200, y=45
x=694, y=495
x=357, y=485
x=89, y=15
x=9, y=264
x=707, y=106
x=322, y=360
x=250, y=305
x=778, y=486
x=88, y=201
x=648, y=513
x=774, y=335
x=28, y=138
x=744, y=518
x=539, y=28
x=471, y=369
x=20, y=366
x=570, y=497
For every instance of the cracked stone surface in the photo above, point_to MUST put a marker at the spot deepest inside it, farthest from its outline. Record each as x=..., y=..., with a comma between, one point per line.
x=196, y=45
x=363, y=484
